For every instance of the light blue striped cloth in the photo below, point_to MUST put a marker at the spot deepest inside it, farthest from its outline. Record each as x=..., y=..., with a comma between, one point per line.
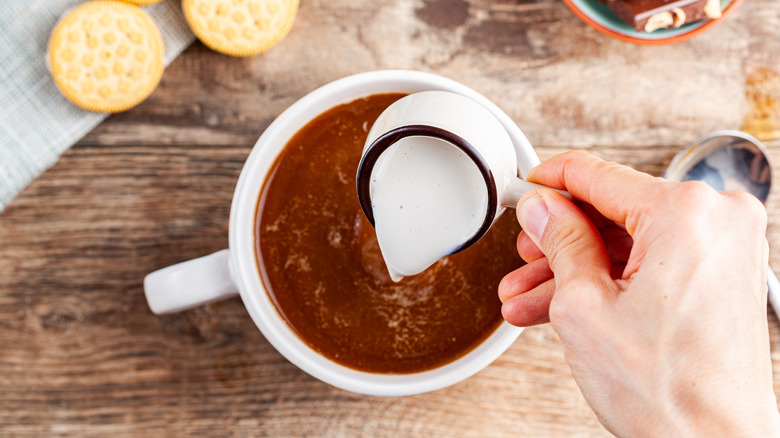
x=37, y=124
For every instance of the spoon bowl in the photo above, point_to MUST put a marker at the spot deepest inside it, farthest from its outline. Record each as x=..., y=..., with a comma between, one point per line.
x=725, y=160
x=729, y=160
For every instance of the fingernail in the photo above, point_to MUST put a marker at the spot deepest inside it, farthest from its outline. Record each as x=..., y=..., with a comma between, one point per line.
x=533, y=215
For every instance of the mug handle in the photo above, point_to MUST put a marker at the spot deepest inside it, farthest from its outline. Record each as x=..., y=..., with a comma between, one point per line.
x=190, y=284
x=515, y=188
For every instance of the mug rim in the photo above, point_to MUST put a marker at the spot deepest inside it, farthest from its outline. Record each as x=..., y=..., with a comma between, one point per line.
x=243, y=258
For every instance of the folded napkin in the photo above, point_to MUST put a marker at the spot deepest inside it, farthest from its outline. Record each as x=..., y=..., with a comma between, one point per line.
x=37, y=123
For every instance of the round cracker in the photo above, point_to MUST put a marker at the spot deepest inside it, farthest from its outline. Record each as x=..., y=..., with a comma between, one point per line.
x=143, y=2
x=106, y=55
x=240, y=27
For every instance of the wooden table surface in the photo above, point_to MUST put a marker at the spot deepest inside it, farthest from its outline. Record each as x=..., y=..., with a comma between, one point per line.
x=82, y=355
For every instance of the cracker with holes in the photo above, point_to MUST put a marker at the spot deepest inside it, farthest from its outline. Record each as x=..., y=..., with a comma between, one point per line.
x=106, y=55
x=240, y=27
x=143, y=2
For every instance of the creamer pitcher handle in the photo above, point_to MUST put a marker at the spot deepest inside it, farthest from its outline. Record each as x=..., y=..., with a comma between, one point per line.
x=515, y=188
x=190, y=284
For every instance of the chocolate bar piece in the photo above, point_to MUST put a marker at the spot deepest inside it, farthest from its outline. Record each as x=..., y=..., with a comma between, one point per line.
x=650, y=15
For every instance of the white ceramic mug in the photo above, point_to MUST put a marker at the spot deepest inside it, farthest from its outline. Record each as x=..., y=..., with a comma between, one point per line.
x=234, y=271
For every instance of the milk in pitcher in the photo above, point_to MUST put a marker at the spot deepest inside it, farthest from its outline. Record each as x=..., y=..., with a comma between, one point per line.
x=428, y=198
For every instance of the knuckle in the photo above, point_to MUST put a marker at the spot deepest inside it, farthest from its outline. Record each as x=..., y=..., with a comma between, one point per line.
x=694, y=194
x=559, y=240
x=558, y=311
x=693, y=203
x=563, y=308
x=749, y=207
x=576, y=154
x=700, y=211
x=573, y=303
x=607, y=167
x=580, y=157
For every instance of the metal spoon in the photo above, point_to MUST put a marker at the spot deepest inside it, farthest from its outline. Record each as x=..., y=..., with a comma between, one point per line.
x=729, y=160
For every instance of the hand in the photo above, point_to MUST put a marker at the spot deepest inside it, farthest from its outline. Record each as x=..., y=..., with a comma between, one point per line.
x=658, y=292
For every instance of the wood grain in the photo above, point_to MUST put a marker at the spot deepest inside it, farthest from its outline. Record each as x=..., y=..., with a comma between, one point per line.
x=80, y=353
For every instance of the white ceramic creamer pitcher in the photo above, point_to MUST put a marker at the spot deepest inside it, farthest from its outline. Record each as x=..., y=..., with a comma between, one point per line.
x=438, y=169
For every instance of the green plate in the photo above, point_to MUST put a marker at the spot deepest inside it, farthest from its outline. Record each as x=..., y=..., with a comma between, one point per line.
x=599, y=13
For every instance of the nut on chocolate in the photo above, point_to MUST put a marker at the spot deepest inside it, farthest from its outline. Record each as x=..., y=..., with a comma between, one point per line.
x=661, y=20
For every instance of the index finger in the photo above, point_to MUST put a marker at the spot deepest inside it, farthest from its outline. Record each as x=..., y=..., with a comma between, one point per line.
x=615, y=190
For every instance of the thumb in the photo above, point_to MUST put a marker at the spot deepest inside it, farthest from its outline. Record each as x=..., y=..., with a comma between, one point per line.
x=566, y=236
